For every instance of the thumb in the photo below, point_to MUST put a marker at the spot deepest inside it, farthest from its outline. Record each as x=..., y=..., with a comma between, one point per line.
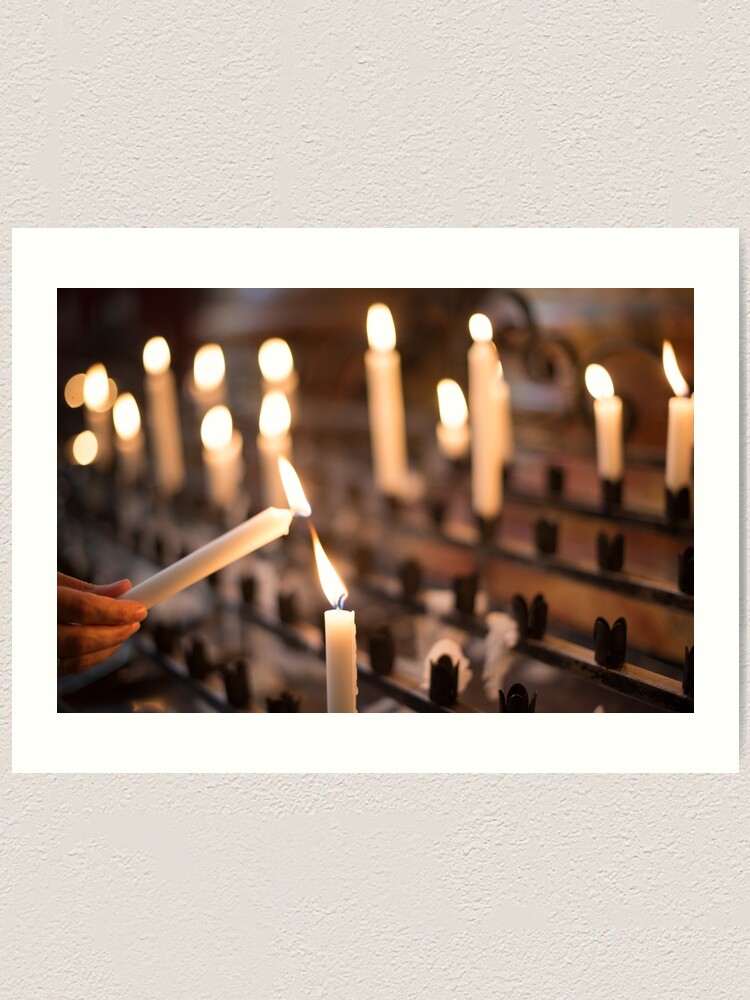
x=112, y=589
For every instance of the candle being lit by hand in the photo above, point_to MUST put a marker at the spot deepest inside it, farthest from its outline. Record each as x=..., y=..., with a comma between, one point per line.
x=270, y=524
x=341, y=636
x=608, y=419
x=453, y=428
x=680, y=425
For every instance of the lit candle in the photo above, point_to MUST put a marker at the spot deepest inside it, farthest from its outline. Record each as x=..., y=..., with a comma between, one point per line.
x=163, y=417
x=222, y=456
x=501, y=393
x=98, y=399
x=208, y=387
x=680, y=425
x=277, y=368
x=74, y=390
x=129, y=440
x=608, y=418
x=83, y=448
x=453, y=428
x=486, y=469
x=270, y=524
x=341, y=637
x=385, y=398
x=274, y=442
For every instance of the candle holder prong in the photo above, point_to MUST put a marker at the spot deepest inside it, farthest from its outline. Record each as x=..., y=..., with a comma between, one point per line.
x=410, y=573
x=444, y=681
x=610, y=551
x=555, y=480
x=465, y=590
x=165, y=638
x=382, y=650
x=287, y=607
x=197, y=661
x=545, y=536
x=610, y=643
x=685, y=571
x=249, y=589
x=517, y=700
x=236, y=676
x=285, y=702
x=677, y=504
x=611, y=494
x=687, y=672
x=531, y=621
x=487, y=527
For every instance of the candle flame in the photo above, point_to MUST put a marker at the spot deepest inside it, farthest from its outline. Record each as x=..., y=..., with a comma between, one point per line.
x=451, y=403
x=85, y=447
x=127, y=417
x=480, y=327
x=275, y=360
x=74, y=390
x=156, y=356
x=208, y=366
x=381, y=331
x=216, y=428
x=295, y=495
x=599, y=383
x=330, y=581
x=672, y=371
x=96, y=389
x=275, y=415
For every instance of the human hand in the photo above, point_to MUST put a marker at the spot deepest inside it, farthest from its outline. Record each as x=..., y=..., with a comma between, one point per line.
x=91, y=624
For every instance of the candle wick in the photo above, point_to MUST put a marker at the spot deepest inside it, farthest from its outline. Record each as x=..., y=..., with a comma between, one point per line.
x=340, y=602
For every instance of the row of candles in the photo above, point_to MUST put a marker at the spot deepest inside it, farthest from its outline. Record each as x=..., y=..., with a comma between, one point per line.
x=490, y=441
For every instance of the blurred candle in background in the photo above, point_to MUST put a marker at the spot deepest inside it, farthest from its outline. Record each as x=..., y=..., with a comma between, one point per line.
x=341, y=636
x=453, y=427
x=680, y=425
x=608, y=419
x=276, y=365
x=98, y=400
x=83, y=448
x=274, y=442
x=222, y=457
x=163, y=418
x=385, y=399
x=129, y=437
x=208, y=387
x=486, y=468
x=74, y=390
x=501, y=394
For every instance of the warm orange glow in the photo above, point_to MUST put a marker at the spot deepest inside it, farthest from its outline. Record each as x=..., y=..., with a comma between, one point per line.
x=275, y=414
x=672, y=371
x=85, y=447
x=208, y=366
x=74, y=390
x=126, y=416
x=275, y=360
x=96, y=389
x=599, y=383
x=216, y=428
x=295, y=495
x=156, y=356
x=451, y=403
x=330, y=581
x=480, y=327
x=381, y=332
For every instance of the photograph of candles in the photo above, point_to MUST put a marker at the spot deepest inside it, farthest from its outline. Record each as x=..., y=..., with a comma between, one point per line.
x=382, y=500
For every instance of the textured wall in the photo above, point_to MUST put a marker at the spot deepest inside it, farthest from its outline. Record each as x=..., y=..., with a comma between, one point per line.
x=456, y=113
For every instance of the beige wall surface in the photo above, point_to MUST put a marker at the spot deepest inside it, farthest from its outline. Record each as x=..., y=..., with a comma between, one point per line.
x=323, y=114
